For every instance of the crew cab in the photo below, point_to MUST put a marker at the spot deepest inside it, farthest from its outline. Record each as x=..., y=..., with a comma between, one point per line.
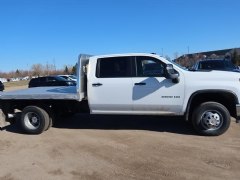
x=132, y=84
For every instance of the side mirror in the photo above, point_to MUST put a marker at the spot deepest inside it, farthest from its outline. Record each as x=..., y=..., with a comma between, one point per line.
x=171, y=73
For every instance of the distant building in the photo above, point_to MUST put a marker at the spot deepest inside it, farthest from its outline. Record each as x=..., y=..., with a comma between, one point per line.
x=188, y=60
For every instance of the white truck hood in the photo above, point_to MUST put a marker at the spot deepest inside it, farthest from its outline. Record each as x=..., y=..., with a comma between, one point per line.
x=219, y=80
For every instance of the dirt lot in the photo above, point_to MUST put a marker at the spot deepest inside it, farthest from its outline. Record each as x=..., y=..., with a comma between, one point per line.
x=119, y=147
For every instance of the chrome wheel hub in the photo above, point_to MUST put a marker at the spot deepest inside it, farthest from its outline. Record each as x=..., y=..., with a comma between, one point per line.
x=211, y=120
x=32, y=120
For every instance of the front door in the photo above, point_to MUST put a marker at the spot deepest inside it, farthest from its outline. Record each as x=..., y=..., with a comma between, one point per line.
x=153, y=93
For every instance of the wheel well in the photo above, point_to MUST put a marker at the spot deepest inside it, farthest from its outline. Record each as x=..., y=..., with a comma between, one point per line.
x=227, y=99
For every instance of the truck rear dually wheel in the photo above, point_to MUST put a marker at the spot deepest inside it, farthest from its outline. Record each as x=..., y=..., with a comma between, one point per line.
x=34, y=120
x=211, y=119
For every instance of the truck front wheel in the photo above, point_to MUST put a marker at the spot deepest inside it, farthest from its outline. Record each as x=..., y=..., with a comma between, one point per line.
x=211, y=119
x=34, y=120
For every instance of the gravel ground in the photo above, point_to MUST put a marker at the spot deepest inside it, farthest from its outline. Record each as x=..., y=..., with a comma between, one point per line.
x=118, y=147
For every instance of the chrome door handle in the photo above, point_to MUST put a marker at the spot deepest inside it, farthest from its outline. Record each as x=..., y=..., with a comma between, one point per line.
x=96, y=84
x=140, y=84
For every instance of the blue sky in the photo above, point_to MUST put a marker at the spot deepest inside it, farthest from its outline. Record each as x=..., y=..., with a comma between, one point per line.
x=57, y=31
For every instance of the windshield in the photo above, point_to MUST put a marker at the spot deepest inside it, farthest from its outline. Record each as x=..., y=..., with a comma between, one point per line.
x=72, y=76
x=60, y=78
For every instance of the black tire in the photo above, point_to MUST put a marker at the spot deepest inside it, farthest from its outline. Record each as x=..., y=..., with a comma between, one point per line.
x=51, y=122
x=211, y=119
x=34, y=120
x=52, y=118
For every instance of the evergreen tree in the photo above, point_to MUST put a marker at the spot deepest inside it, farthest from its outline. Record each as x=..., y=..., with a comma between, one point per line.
x=74, y=69
x=17, y=72
x=66, y=71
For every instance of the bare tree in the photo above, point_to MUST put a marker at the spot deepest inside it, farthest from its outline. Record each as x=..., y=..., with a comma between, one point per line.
x=49, y=69
x=168, y=58
x=176, y=55
x=37, y=70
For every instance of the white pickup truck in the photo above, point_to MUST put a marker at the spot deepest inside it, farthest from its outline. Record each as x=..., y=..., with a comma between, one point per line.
x=136, y=84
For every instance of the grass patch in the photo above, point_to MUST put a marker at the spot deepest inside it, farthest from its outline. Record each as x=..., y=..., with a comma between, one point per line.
x=15, y=83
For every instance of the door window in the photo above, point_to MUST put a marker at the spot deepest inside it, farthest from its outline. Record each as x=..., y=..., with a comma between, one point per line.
x=42, y=79
x=51, y=79
x=114, y=67
x=149, y=67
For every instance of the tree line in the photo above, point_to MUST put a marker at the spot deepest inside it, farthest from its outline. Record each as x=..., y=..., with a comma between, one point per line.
x=39, y=70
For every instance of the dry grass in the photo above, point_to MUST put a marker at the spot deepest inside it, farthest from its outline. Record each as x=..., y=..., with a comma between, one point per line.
x=15, y=85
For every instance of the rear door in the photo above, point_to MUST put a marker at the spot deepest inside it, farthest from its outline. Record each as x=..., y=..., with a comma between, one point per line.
x=110, y=88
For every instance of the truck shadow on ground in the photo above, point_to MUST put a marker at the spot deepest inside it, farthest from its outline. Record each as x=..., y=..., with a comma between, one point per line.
x=120, y=122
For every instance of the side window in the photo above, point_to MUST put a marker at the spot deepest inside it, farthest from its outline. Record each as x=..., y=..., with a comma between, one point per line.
x=34, y=80
x=150, y=67
x=51, y=79
x=114, y=67
x=42, y=79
